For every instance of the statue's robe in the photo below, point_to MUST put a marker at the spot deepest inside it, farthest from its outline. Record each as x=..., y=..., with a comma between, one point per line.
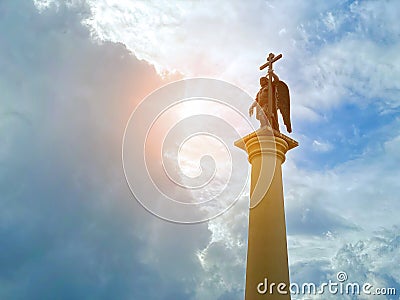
x=263, y=110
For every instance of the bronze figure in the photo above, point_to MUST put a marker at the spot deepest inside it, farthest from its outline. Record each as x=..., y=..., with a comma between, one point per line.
x=272, y=96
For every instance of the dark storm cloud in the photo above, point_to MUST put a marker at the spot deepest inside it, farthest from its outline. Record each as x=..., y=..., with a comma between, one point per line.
x=69, y=227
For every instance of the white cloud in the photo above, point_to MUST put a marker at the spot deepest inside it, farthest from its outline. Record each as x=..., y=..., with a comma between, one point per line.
x=42, y=4
x=177, y=35
x=354, y=70
x=392, y=148
x=321, y=146
x=330, y=21
x=224, y=258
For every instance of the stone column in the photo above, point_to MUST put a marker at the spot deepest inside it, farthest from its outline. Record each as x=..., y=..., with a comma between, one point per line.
x=267, y=259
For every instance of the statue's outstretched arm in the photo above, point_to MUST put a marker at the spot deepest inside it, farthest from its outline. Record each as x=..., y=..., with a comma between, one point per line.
x=251, y=109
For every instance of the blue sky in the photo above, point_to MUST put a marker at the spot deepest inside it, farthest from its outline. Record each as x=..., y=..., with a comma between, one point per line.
x=73, y=72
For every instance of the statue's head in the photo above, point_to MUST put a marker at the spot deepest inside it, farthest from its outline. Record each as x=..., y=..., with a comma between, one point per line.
x=263, y=81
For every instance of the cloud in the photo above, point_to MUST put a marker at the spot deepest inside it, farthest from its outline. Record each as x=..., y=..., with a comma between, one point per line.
x=367, y=260
x=70, y=227
x=174, y=35
x=223, y=260
x=313, y=270
x=312, y=218
x=321, y=146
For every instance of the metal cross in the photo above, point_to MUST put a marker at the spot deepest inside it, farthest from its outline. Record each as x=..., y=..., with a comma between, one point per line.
x=271, y=113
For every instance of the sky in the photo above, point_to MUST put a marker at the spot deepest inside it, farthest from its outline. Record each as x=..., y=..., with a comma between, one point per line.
x=74, y=72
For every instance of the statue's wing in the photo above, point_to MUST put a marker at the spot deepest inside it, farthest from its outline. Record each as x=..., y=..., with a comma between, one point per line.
x=283, y=101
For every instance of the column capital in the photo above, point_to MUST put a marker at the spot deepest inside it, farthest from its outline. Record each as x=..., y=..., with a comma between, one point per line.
x=266, y=141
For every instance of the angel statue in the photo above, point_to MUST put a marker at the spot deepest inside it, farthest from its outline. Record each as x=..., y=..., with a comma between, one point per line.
x=272, y=96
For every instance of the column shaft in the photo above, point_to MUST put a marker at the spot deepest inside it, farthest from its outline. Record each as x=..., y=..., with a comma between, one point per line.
x=267, y=258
